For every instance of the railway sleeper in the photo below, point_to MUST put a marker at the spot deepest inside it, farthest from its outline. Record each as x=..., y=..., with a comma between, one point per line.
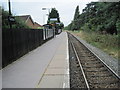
x=104, y=82
x=96, y=73
x=93, y=67
x=96, y=62
x=104, y=70
x=94, y=70
x=103, y=75
x=102, y=78
x=87, y=58
x=103, y=86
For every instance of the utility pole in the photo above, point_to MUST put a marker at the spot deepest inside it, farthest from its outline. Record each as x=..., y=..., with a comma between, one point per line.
x=9, y=7
x=9, y=14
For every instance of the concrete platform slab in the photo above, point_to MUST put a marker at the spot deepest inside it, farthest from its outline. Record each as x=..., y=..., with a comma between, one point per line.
x=51, y=81
x=58, y=57
x=54, y=81
x=62, y=64
x=57, y=72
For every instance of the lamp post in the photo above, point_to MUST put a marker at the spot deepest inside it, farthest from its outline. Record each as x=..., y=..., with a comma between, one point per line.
x=46, y=14
x=46, y=9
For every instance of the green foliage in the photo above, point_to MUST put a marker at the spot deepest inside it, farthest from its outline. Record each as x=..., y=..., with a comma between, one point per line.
x=98, y=16
x=108, y=43
x=53, y=14
x=75, y=23
x=100, y=28
x=5, y=23
x=86, y=27
x=118, y=26
x=76, y=13
x=68, y=27
x=61, y=25
x=19, y=24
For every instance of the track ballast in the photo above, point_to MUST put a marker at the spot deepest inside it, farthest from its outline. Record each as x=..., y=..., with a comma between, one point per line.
x=87, y=71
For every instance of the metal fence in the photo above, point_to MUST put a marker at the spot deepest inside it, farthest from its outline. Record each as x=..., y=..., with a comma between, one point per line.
x=16, y=43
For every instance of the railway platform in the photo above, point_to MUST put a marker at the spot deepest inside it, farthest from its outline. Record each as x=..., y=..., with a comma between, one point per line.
x=45, y=67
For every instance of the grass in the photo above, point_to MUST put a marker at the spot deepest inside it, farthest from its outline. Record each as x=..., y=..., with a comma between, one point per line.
x=105, y=42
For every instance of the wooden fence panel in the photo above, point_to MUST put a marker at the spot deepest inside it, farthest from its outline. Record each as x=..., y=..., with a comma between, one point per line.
x=16, y=43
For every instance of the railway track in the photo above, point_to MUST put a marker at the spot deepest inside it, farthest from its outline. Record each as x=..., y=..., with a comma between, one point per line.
x=94, y=73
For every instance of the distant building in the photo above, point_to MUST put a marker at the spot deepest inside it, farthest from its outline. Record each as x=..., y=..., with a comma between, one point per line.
x=29, y=21
x=37, y=26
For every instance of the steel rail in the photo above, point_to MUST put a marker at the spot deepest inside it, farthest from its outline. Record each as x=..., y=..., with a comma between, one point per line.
x=110, y=70
x=88, y=87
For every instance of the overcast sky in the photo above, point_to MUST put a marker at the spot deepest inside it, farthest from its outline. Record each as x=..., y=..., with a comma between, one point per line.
x=66, y=8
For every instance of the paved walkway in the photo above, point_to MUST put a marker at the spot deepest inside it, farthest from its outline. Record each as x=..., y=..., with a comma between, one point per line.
x=45, y=67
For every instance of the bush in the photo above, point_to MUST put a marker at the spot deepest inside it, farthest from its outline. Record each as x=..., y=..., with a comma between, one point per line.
x=111, y=28
x=100, y=28
x=5, y=23
x=19, y=24
x=118, y=26
x=86, y=27
x=106, y=42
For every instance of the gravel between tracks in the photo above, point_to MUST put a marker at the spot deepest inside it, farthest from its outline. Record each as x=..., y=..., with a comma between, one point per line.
x=76, y=79
x=110, y=61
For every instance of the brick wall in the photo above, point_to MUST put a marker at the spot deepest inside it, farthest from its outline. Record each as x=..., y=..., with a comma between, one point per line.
x=30, y=23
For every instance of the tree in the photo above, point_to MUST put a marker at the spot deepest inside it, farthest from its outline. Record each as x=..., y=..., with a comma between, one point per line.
x=5, y=22
x=75, y=24
x=100, y=16
x=53, y=14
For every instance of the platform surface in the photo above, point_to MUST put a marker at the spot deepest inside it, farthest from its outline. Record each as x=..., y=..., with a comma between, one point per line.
x=57, y=73
x=45, y=67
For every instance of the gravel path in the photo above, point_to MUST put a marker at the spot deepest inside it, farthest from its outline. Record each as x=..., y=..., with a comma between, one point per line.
x=110, y=61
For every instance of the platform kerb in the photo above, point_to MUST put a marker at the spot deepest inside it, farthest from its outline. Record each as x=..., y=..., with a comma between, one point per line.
x=57, y=72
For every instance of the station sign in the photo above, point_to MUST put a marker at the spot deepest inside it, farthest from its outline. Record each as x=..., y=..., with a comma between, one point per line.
x=11, y=19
